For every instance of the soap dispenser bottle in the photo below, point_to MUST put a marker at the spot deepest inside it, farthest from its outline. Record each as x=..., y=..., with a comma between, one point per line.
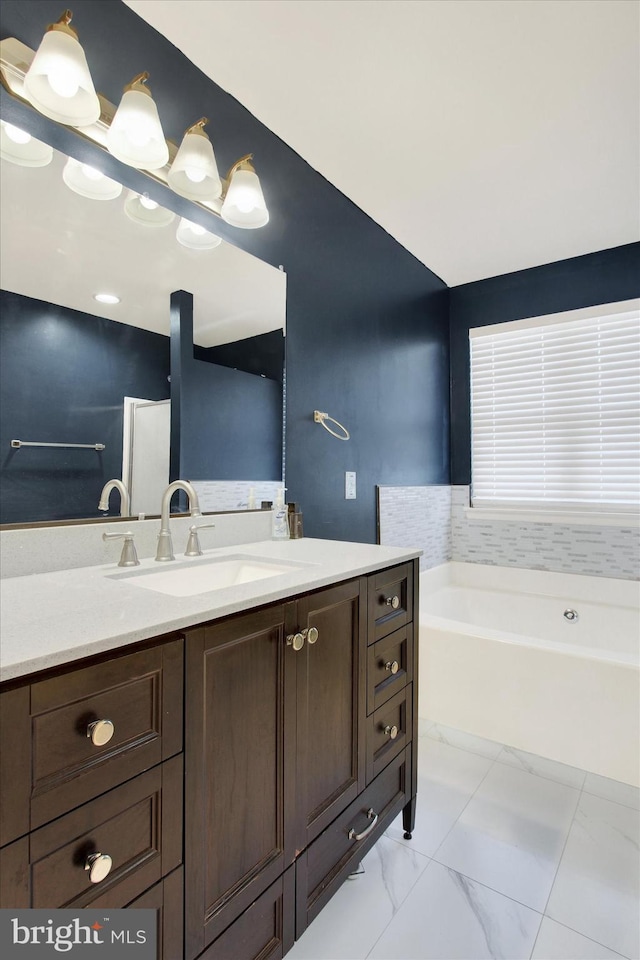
x=279, y=521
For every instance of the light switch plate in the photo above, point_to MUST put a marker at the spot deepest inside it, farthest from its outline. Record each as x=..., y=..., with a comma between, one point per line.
x=350, y=485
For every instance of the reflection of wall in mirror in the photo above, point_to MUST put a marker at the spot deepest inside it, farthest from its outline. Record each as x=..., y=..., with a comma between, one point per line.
x=63, y=377
x=226, y=423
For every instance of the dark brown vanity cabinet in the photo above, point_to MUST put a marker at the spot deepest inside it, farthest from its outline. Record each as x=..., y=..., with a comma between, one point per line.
x=299, y=750
x=274, y=747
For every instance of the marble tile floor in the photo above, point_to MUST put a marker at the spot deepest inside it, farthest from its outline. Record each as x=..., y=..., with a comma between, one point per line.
x=514, y=856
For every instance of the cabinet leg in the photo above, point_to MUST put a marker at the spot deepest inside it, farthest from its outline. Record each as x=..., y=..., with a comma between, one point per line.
x=409, y=818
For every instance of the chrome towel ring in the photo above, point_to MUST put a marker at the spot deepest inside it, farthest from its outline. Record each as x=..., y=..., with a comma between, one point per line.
x=321, y=418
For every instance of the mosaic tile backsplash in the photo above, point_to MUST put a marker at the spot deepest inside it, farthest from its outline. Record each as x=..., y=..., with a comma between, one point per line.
x=417, y=517
x=433, y=518
x=601, y=551
x=234, y=494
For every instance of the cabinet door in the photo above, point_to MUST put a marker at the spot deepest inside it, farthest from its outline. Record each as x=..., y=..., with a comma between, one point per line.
x=331, y=679
x=239, y=673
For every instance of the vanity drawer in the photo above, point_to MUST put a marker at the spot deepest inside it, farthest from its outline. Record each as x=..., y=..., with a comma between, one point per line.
x=166, y=899
x=390, y=600
x=138, y=825
x=389, y=667
x=336, y=852
x=389, y=731
x=140, y=694
x=264, y=931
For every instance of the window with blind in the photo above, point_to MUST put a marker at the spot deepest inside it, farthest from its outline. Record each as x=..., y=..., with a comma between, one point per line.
x=555, y=411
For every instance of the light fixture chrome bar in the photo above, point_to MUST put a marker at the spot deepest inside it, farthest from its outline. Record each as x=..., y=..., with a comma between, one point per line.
x=16, y=444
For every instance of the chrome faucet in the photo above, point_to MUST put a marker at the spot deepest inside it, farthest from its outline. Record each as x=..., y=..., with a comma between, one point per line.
x=165, y=546
x=124, y=497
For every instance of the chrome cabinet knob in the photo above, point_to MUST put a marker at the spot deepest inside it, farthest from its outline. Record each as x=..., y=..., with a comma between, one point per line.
x=391, y=731
x=98, y=866
x=100, y=732
x=392, y=666
x=311, y=634
x=296, y=640
x=393, y=602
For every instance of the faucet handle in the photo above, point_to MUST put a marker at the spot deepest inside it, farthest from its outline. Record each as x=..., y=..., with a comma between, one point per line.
x=193, y=544
x=128, y=557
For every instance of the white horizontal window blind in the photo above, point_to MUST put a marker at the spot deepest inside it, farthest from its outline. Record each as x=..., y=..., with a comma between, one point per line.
x=555, y=412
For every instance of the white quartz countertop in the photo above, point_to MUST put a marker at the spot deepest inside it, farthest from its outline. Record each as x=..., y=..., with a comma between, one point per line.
x=49, y=619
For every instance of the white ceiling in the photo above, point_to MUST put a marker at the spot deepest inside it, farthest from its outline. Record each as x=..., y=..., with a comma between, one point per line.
x=485, y=135
x=82, y=247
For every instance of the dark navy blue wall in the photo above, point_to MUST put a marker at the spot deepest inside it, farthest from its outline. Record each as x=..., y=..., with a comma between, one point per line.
x=262, y=354
x=604, y=277
x=63, y=377
x=367, y=333
x=225, y=424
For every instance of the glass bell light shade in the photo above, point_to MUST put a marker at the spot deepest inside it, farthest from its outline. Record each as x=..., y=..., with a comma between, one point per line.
x=194, y=173
x=18, y=146
x=135, y=135
x=195, y=237
x=89, y=182
x=244, y=204
x=58, y=82
x=143, y=210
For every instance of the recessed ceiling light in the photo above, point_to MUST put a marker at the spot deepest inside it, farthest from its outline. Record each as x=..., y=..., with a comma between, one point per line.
x=106, y=298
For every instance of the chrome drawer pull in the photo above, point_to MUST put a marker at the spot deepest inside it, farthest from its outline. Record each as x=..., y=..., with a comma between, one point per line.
x=311, y=634
x=100, y=732
x=352, y=835
x=99, y=866
x=393, y=602
x=392, y=666
x=295, y=640
x=391, y=731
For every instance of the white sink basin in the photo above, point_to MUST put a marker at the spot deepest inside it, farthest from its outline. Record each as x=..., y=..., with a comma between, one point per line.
x=201, y=576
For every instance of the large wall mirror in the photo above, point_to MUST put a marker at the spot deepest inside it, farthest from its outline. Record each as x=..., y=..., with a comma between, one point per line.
x=76, y=371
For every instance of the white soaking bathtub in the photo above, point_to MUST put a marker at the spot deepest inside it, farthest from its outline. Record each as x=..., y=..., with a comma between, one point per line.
x=499, y=659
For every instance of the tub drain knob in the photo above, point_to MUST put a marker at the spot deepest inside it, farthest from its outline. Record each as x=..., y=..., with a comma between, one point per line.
x=571, y=615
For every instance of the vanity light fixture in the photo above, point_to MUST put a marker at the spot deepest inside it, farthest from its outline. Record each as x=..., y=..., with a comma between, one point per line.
x=194, y=172
x=244, y=204
x=135, y=135
x=109, y=298
x=140, y=208
x=18, y=146
x=89, y=182
x=195, y=237
x=58, y=83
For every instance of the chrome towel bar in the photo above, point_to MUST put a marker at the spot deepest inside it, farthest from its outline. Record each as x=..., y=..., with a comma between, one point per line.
x=16, y=444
